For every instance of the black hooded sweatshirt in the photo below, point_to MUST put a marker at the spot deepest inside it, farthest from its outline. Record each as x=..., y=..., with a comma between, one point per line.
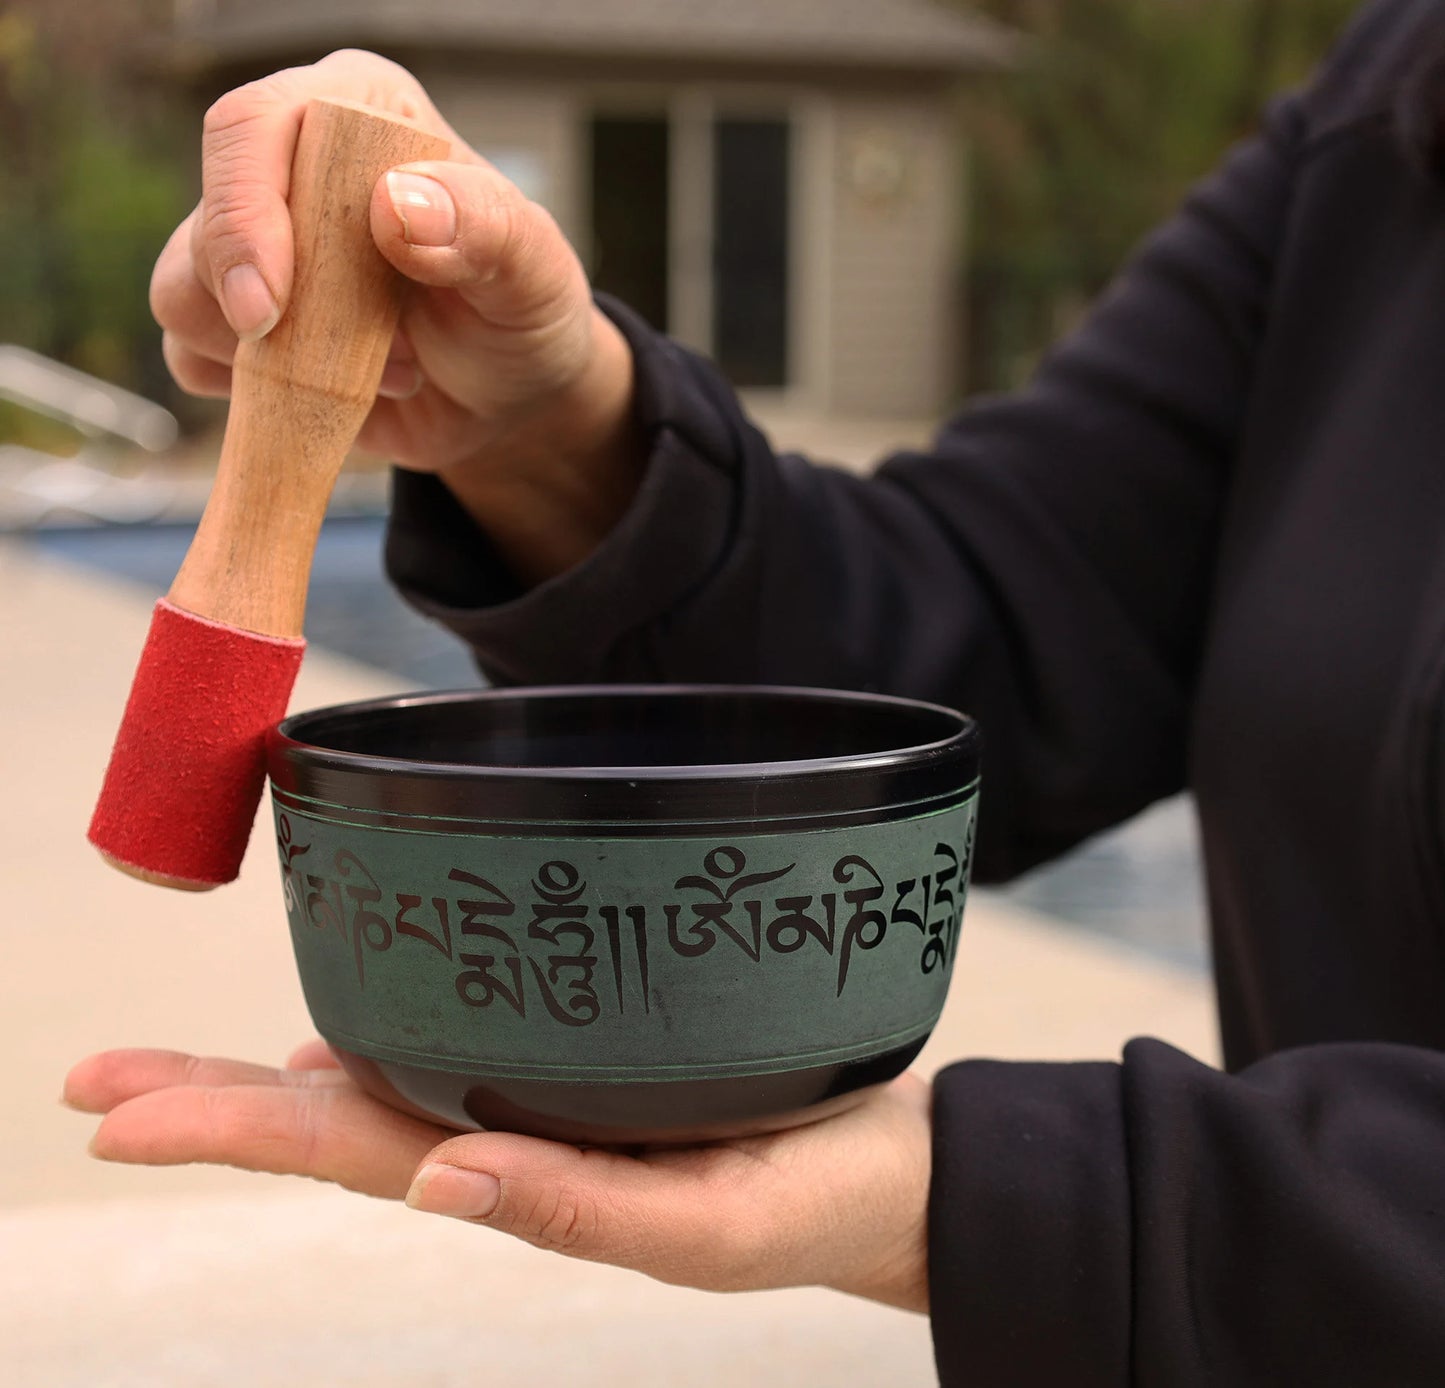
x=1205, y=548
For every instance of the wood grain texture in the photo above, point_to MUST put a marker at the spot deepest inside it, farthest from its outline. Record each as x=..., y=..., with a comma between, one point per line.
x=302, y=393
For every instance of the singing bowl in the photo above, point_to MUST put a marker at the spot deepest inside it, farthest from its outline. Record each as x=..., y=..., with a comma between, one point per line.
x=625, y=913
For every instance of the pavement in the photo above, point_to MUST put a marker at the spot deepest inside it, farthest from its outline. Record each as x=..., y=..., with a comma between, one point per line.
x=202, y=1277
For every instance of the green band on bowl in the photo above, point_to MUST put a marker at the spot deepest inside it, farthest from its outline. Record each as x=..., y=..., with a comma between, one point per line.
x=614, y=959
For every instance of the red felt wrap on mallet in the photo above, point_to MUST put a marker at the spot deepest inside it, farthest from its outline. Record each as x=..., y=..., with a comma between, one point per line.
x=184, y=780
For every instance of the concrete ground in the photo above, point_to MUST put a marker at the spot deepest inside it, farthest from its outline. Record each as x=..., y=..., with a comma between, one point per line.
x=196, y=1277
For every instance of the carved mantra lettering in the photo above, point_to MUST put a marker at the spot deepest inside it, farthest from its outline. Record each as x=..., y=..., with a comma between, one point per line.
x=546, y=946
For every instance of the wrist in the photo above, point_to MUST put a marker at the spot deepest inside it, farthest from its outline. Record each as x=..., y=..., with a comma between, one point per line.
x=901, y=1280
x=551, y=487
x=885, y=1258
x=907, y=1291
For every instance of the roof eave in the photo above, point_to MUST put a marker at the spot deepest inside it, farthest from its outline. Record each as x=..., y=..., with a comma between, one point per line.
x=192, y=54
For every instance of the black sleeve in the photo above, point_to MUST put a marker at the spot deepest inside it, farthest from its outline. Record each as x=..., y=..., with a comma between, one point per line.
x=1159, y=1223
x=1045, y=567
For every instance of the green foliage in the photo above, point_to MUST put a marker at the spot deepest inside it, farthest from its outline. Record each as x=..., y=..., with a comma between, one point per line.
x=1117, y=106
x=116, y=202
x=92, y=191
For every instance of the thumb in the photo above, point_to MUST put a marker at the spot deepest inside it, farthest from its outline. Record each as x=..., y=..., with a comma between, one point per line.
x=659, y=1219
x=463, y=226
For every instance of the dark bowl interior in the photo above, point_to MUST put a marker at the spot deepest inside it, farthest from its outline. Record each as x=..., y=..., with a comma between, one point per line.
x=612, y=729
x=683, y=770
x=628, y=755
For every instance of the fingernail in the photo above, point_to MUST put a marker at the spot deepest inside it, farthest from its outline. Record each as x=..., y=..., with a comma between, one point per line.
x=246, y=298
x=428, y=214
x=400, y=380
x=452, y=1190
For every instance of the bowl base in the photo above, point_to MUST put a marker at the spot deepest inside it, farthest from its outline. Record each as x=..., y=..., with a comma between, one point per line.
x=660, y=1112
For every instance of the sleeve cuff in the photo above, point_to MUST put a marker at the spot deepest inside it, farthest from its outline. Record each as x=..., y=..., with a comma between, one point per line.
x=671, y=538
x=1029, y=1226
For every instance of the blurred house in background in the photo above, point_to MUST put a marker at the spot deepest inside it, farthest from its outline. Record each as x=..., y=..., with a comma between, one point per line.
x=776, y=182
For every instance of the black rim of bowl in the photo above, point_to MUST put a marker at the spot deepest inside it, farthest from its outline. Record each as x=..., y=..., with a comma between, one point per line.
x=932, y=765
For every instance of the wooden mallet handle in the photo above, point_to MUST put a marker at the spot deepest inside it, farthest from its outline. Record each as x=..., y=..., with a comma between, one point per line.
x=184, y=780
x=300, y=395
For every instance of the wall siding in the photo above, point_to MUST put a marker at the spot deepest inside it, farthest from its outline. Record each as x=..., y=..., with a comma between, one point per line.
x=877, y=322
x=895, y=248
x=538, y=120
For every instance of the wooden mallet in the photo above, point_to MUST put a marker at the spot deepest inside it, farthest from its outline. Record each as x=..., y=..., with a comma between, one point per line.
x=181, y=791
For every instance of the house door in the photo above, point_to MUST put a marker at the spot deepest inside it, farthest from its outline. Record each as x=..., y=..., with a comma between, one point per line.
x=690, y=227
x=630, y=212
x=750, y=182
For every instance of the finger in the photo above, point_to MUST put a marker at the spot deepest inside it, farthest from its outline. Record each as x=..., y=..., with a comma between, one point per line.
x=400, y=380
x=333, y=1133
x=841, y=1202
x=195, y=374
x=676, y=1222
x=463, y=226
x=199, y=374
x=248, y=142
x=182, y=304
x=244, y=245
x=197, y=334
x=313, y=1055
x=101, y=1082
x=429, y=430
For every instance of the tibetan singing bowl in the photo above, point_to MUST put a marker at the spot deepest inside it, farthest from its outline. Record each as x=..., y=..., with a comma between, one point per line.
x=625, y=914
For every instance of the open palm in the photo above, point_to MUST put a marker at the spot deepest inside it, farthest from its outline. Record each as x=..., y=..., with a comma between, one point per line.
x=838, y=1203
